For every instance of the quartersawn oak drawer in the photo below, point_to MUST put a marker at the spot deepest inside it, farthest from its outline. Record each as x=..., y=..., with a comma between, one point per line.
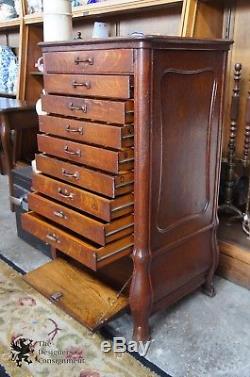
x=101, y=61
x=103, y=208
x=92, y=133
x=111, y=86
x=96, y=181
x=94, y=230
x=119, y=112
x=99, y=158
x=86, y=253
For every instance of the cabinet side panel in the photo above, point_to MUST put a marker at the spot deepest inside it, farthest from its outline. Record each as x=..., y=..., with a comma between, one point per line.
x=184, y=144
x=175, y=269
x=185, y=162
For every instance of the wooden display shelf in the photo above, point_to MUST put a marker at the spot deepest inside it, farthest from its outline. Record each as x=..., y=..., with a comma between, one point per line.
x=234, y=263
x=107, y=7
x=113, y=6
x=10, y=24
x=167, y=17
x=34, y=18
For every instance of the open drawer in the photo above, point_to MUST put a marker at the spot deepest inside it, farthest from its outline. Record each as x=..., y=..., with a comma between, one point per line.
x=88, y=227
x=77, y=292
x=111, y=86
x=95, y=205
x=93, y=180
x=98, y=158
x=115, y=112
x=90, y=255
x=105, y=135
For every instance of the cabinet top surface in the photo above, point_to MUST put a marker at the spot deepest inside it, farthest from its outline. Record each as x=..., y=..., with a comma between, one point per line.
x=148, y=41
x=11, y=104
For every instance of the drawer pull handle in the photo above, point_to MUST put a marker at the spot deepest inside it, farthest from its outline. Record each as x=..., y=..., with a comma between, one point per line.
x=74, y=130
x=85, y=83
x=72, y=153
x=60, y=214
x=53, y=237
x=75, y=175
x=65, y=194
x=78, y=108
x=55, y=297
x=89, y=61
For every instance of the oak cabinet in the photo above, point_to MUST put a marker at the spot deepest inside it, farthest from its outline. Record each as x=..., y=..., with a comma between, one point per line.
x=168, y=212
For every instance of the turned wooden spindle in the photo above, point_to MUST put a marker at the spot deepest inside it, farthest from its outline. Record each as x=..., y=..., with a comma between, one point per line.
x=233, y=134
x=247, y=131
x=246, y=215
x=245, y=160
x=234, y=112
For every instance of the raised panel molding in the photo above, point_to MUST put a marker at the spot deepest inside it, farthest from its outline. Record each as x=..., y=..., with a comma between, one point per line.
x=186, y=144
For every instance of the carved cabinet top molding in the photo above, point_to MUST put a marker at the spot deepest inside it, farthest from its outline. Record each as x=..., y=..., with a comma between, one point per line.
x=147, y=41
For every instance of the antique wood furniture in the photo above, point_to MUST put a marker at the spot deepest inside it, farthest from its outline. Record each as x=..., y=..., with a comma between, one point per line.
x=21, y=118
x=129, y=162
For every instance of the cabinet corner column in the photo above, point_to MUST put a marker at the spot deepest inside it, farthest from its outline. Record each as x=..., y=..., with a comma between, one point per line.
x=141, y=290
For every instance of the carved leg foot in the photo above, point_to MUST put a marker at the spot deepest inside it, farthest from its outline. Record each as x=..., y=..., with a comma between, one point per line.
x=141, y=327
x=140, y=297
x=208, y=289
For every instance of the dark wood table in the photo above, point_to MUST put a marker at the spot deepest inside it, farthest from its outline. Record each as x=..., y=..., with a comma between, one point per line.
x=21, y=117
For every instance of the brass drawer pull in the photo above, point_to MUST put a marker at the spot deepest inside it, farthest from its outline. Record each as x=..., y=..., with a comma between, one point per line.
x=53, y=237
x=89, y=61
x=85, y=83
x=60, y=214
x=65, y=194
x=75, y=175
x=72, y=153
x=74, y=130
x=78, y=108
x=55, y=297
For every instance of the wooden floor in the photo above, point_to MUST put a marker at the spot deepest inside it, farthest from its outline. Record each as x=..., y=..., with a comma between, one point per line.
x=234, y=263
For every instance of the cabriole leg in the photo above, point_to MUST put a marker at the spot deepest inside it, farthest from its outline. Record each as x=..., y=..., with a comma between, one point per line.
x=141, y=296
x=208, y=287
